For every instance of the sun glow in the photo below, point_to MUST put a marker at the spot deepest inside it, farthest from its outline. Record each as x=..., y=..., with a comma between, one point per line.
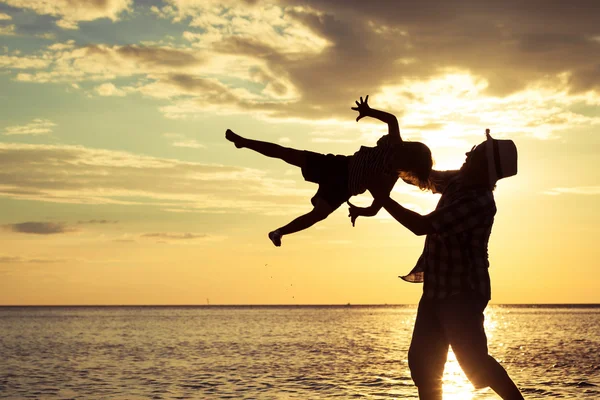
x=451, y=111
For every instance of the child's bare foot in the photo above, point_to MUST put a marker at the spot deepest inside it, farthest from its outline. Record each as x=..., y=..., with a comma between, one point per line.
x=235, y=138
x=275, y=237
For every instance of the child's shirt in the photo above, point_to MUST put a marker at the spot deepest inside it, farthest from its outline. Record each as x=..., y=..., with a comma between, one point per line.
x=370, y=162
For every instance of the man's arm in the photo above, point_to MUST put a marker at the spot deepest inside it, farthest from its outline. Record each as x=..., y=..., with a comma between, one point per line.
x=463, y=214
x=364, y=110
x=414, y=222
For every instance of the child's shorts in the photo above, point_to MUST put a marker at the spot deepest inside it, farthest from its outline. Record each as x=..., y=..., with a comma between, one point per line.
x=331, y=173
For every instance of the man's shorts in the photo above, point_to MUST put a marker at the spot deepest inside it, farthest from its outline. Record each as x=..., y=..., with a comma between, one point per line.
x=331, y=173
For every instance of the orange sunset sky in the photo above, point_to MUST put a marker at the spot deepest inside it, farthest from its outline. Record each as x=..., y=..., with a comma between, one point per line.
x=118, y=187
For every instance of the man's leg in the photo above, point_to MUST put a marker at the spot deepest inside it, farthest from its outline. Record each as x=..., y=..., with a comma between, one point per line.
x=428, y=352
x=320, y=211
x=463, y=322
x=289, y=155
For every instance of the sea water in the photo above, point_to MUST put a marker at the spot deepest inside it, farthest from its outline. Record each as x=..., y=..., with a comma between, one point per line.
x=278, y=352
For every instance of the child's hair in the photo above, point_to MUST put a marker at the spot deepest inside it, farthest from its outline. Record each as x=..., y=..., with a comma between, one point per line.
x=418, y=165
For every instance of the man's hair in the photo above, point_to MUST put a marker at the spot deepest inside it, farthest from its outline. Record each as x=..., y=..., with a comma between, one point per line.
x=419, y=164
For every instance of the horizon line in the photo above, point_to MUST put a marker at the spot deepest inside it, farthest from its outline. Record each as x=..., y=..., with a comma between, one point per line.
x=281, y=305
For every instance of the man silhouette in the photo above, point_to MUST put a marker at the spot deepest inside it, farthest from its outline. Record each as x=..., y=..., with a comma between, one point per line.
x=454, y=269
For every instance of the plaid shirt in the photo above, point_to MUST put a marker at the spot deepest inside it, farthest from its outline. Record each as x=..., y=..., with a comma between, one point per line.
x=455, y=257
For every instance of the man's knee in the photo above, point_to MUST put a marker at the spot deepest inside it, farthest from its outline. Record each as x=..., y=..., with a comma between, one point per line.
x=426, y=375
x=418, y=371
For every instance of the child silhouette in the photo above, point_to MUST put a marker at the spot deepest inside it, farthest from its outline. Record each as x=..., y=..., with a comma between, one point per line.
x=340, y=177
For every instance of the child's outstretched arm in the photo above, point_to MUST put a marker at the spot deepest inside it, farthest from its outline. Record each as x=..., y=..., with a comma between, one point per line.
x=365, y=111
x=354, y=211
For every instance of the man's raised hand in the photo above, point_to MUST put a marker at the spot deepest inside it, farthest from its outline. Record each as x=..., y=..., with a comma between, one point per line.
x=362, y=108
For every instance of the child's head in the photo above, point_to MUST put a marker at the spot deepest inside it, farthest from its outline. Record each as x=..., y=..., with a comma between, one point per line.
x=413, y=162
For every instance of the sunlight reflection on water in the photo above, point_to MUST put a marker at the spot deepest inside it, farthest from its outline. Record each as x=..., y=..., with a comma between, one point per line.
x=456, y=386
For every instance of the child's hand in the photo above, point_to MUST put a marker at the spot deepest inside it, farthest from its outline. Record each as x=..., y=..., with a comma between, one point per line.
x=353, y=212
x=362, y=108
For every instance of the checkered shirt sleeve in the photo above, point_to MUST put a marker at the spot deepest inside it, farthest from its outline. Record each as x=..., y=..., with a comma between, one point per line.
x=463, y=214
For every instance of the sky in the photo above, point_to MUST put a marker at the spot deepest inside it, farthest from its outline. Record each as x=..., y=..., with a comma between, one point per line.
x=117, y=185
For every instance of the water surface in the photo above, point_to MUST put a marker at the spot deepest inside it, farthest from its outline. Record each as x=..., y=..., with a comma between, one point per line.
x=278, y=352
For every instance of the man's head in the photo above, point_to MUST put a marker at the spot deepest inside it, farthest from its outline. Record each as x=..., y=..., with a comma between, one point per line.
x=413, y=162
x=490, y=161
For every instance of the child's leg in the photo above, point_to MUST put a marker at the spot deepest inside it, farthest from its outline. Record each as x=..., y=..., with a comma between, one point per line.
x=290, y=156
x=307, y=220
x=320, y=211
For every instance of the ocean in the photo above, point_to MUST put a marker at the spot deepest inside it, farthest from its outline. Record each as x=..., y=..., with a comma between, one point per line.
x=278, y=352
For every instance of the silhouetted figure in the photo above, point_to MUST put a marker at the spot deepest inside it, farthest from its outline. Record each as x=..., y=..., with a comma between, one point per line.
x=454, y=268
x=339, y=177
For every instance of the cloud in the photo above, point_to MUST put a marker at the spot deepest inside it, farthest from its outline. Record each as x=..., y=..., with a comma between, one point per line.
x=38, y=228
x=80, y=175
x=190, y=143
x=180, y=238
x=66, y=63
x=97, y=221
x=174, y=236
x=404, y=56
x=71, y=12
x=401, y=48
x=108, y=89
x=273, y=28
x=23, y=62
x=455, y=106
x=4, y=259
x=69, y=44
x=7, y=30
x=445, y=72
x=578, y=190
x=37, y=127
x=182, y=141
x=509, y=45
x=10, y=259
